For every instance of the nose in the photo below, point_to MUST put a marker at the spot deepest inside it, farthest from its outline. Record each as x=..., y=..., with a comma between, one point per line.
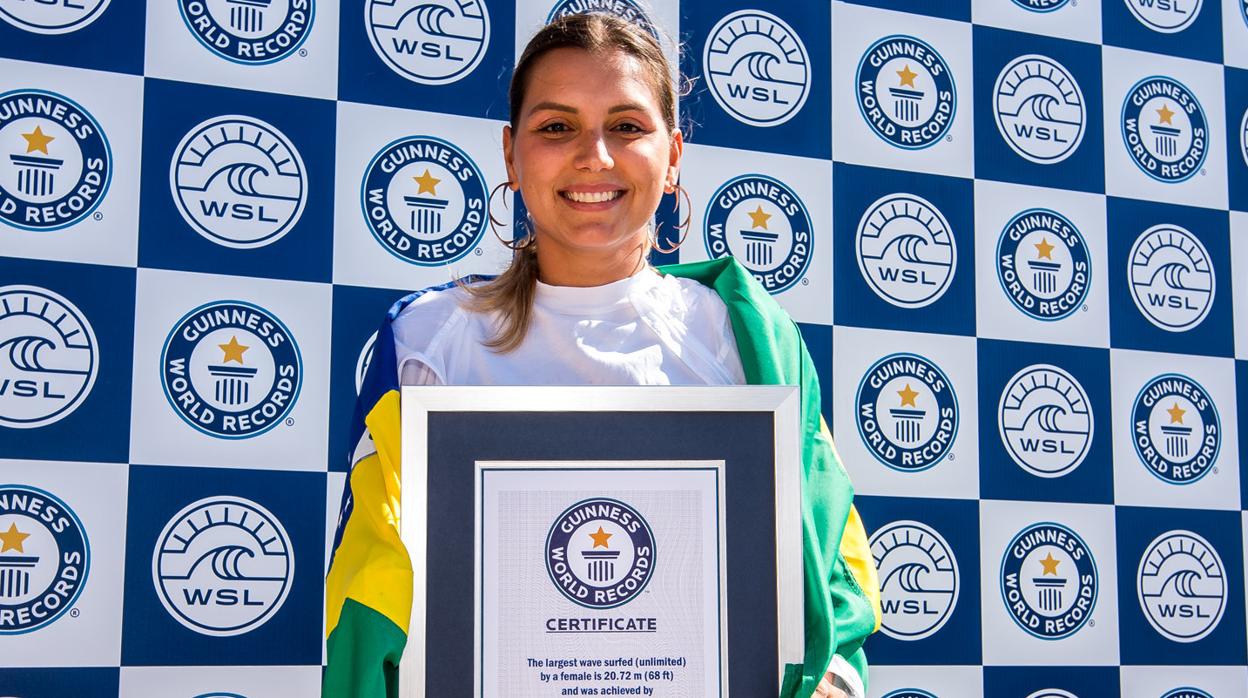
x=594, y=155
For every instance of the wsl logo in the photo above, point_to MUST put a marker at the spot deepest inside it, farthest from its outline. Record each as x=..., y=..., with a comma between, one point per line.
x=432, y=43
x=1039, y=109
x=906, y=250
x=1165, y=16
x=1172, y=278
x=223, y=566
x=906, y=92
x=231, y=369
x=238, y=182
x=251, y=32
x=1045, y=421
x=1164, y=129
x=918, y=579
x=907, y=412
x=764, y=224
x=48, y=357
x=1043, y=264
x=43, y=17
x=757, y=68
x=1175, y=429
x=1041, y=6
x=1049, y=581
x=600, y=553
x=424, y=200
x=44, y=558
x=1182, y=586
x=55, y=163
x=624, y=9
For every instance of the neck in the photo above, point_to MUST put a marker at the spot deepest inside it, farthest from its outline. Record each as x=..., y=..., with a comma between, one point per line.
x=562, y=267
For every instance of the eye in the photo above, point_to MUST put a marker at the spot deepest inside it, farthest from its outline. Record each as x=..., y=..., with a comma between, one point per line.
x=554, y=127
x=631, y=128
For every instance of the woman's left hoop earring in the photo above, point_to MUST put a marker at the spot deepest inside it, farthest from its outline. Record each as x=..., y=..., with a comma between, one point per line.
x=683, y=226
x=495, y=223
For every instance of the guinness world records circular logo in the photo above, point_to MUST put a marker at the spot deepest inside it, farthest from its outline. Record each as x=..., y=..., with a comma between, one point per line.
x=600, y=553
x=44, y=558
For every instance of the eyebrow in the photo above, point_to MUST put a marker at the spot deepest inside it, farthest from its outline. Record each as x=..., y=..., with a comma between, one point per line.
x=555, y=106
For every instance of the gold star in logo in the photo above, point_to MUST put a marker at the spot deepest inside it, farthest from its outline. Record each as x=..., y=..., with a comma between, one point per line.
x=37, y=140
x=233, y=350
x=1050, y=564
x=600, y=538
x=759, y=217
x=1176, y=414
x=1165, y=115
x=12, y=539
x=427, y=183
x=908, y=396
x=907, y=76
x=1044, y=250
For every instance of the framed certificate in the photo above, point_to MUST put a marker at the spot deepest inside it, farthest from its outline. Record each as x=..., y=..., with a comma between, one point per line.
x=607, y=541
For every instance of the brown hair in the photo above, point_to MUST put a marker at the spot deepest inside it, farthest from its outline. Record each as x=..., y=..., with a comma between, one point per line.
x=511, y=293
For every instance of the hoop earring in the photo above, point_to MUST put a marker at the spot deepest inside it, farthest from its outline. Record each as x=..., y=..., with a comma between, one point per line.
x=683, y=226
x=514, y=245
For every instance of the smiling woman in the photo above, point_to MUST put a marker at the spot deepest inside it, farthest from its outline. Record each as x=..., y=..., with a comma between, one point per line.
x=591, y=147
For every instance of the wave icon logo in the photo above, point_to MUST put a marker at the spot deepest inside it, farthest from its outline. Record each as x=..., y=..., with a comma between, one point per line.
x=1165, y=129
x=757, y=68
x=906, y=250
x=223, y=566
x=1039, y=109
x=1172, y=278
x=918, y=579
x=1167, y=17
x=49, y=358
x=1045, y=421
x=250, y=32
x=44, y=17
x=1182, y=586
x=432, y=42
x=238, y=182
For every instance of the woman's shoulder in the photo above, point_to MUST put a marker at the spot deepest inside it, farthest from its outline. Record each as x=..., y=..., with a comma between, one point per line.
x=422, y=318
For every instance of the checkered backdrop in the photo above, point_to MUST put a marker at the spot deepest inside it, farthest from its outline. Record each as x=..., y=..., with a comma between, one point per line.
x=1009, y=230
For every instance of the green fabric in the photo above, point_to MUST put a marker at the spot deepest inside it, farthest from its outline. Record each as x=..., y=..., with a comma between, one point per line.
x=365, y=647
x=838, y=615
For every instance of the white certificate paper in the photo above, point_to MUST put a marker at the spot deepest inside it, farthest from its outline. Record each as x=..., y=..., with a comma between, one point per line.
x=601, y=578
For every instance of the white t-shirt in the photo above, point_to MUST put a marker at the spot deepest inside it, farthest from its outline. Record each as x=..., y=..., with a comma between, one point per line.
x=648, y=329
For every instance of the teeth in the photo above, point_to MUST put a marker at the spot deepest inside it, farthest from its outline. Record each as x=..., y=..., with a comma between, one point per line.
x=592, y=198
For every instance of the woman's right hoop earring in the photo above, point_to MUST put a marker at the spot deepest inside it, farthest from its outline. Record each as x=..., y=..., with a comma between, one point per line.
x=495, y=223
x=683, y=226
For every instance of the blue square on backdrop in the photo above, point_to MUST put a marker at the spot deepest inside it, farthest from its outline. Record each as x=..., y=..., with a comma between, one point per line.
x=1241, y=402
x=236, y=182
x=72, y=331
x=761, y=76
x=818, y=339
x=940, y=614
x=949, y=9
x=1237, y=136
x=224, y=567
x=1038, y=110
x=905, y=250
x=1026, y=682
x=1178, y=28
x=389, y=53
x=1180, y=596
x=59, y=683
x=1169, y=278
x=1044, y=423
x=357, y=313
x=95, y=34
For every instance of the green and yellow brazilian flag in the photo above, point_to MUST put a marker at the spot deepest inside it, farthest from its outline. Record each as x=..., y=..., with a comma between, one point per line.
x=368, y=591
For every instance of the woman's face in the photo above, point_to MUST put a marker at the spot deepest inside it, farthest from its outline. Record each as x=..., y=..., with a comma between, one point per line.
x=592, y=156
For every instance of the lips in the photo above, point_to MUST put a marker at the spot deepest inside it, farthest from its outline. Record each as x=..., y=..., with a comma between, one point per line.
x=592, y=197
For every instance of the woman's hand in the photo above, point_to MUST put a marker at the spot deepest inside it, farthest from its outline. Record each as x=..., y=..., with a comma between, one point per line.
x=825, y=689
